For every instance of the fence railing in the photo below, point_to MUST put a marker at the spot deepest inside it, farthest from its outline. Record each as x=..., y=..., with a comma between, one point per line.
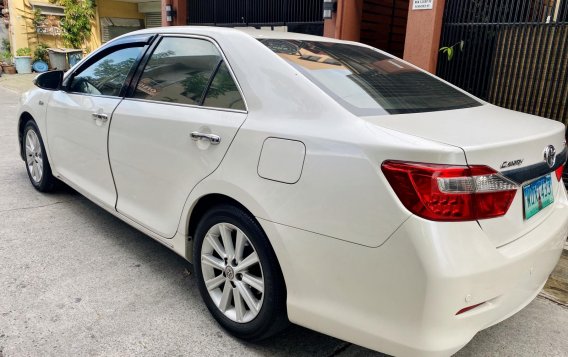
x=254, y=12
x=515, y=53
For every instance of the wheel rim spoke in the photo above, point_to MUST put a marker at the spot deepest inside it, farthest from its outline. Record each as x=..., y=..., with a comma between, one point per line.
x=238, y=291
x=215, y=282
x=39, y=165
x=34, y=172
x=248, y=297
x=254, y=281
x=226, y=298
x=249, y=261
x=227, y=241
x=214, y=241
x=240, y=246
x=30, y=141
x=213, y=262
x=239, y=305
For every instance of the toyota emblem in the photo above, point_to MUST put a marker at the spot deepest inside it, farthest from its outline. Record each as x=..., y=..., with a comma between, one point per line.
x=550, y=155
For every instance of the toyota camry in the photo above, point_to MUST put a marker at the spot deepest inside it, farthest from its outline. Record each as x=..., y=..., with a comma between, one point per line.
x=310, y=180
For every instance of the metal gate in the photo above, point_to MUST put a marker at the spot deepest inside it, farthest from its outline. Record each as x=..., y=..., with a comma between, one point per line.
x=299, y=15
x=515, y=53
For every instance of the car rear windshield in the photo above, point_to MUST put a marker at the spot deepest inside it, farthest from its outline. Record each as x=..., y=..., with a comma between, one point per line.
x=368, y=82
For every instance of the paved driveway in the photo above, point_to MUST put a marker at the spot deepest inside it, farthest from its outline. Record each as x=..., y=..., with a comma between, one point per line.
x=74, y=281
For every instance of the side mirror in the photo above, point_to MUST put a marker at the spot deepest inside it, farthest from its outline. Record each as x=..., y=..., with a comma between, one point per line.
x=51, y=80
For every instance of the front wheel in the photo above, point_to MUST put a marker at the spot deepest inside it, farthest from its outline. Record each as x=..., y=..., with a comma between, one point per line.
x=37, y=164
x=238, y=275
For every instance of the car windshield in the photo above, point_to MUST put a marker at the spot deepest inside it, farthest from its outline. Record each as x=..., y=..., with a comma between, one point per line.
x=368, y=82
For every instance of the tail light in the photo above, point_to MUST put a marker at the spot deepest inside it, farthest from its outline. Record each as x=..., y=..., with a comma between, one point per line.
x=559, y=172
x=448, y=192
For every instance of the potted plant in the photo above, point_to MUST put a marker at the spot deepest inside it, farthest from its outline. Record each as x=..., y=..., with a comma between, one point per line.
x=6, y=58
x=23, y=60
x=40, y=58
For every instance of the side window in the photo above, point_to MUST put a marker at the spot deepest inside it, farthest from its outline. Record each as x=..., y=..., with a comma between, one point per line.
x=107, y=75
x=223, y=92
x=178, y=71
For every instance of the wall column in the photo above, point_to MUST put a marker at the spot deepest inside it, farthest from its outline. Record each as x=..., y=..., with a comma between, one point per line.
x=346, y=22
x=180, y=7
x=423, y=32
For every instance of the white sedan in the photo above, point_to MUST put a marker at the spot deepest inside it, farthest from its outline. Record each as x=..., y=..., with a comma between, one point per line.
x=310, y=180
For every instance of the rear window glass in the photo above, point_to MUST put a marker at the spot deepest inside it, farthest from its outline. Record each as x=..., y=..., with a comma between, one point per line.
x=367, y=82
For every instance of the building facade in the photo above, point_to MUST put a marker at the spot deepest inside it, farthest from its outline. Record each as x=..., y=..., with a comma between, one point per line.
x=29, y=22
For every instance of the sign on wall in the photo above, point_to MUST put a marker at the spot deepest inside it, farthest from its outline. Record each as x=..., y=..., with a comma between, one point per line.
x=422, y=4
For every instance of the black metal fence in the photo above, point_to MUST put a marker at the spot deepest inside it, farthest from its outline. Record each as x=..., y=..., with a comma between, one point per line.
x=302, y=15
x=515, y=53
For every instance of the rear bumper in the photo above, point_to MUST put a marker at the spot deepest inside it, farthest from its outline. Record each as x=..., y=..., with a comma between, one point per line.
x=402, y=298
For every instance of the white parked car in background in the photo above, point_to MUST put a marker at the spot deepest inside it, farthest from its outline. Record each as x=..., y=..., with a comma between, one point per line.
x=310, y=180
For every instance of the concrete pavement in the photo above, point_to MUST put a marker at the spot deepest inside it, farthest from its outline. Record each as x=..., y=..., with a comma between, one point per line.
x=74, y=280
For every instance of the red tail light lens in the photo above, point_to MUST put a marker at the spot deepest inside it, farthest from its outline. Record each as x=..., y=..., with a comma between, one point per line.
x=450, y=193
x=559, y=172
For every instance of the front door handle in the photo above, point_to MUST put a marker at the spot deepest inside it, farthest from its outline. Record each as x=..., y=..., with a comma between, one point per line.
x=213, y=139
x=101, y=117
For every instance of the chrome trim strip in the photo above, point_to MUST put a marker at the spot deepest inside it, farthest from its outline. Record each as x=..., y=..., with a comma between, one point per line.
x=187, y=105
x=531, y=172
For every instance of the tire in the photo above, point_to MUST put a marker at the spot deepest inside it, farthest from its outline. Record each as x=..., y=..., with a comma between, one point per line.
x=239, y=318
x=37, y=164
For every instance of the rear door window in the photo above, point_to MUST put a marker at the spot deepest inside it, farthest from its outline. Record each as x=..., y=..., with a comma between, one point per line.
x=368, y=82
x=223, y=91
x=179, y=71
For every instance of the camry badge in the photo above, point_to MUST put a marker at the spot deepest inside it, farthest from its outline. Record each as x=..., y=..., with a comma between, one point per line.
x=550, y=155
x=507, y=164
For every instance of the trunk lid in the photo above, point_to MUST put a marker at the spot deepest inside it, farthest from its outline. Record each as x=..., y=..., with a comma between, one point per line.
x=504, y=140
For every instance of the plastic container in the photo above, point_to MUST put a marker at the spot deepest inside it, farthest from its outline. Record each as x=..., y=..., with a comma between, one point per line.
x=23, y=64
x=40, y=66
x=64, y=58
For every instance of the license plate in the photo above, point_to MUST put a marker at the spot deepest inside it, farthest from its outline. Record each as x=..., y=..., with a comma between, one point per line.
x=537, y=195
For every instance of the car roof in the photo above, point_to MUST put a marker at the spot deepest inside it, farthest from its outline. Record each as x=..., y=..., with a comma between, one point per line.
x=227, y=31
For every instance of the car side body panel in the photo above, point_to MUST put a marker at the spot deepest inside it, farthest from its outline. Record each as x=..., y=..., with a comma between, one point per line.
x=155, y=162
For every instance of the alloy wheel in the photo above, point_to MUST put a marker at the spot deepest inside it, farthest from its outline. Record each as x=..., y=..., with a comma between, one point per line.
x=232, y=272
x=34, y=156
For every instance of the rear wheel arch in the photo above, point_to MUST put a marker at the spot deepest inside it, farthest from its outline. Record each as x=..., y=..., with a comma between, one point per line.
x=204, y=204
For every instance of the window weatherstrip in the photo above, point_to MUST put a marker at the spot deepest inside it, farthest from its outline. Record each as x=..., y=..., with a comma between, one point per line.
x=206, y=90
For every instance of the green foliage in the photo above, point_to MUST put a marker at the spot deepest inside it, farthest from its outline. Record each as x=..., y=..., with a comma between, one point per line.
x=77, y=22
x=450, y=51
x=24, y=51
x=38, y=19
x=6, y=45
x=5, y=51
x=40, y=52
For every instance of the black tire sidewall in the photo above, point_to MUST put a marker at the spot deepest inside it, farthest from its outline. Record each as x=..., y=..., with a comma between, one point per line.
x=272, y=313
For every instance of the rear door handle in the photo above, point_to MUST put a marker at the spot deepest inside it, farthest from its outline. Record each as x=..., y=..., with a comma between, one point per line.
x=213, y=139
x=101, y=117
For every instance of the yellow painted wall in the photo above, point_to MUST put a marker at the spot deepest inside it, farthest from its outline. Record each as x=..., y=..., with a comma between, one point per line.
x=112, y=8
x=22, y=32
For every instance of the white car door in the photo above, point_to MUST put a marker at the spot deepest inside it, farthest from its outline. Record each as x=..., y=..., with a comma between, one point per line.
x=173, y=130
x=78, y=119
